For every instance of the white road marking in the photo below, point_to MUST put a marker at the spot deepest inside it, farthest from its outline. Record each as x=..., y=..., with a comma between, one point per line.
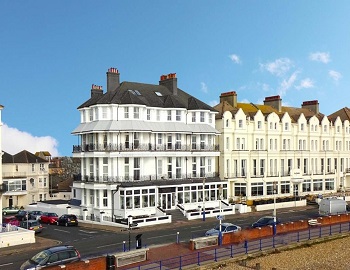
x=62, y=231
x=5, y=264
x=89, y=232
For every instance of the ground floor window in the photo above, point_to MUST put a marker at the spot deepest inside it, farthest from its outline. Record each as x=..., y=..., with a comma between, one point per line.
x=240, y=189
x=257, y=189
x=317, y=185
x=195, y=193
x=285, y=187
x=137, y=198
x=329, y=184
x=307, y=185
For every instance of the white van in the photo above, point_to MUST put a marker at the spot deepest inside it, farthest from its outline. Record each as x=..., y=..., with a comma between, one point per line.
x=332, y=206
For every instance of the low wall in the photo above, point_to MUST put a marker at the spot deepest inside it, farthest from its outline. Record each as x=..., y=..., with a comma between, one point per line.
x=203, y=242
x=16, y=237
x=262, y=207
x=258, y=233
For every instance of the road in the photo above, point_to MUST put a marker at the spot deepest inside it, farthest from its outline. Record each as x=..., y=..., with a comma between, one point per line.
x=93, y=242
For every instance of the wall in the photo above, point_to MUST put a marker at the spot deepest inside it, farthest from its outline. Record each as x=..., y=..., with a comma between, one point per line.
x=17, y=237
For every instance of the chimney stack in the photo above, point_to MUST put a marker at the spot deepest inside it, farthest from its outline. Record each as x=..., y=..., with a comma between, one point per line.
x=274, y=101
x=112, y=79
x=230, y=97
x=96, y=90
x=312, y=105
x=170, y=82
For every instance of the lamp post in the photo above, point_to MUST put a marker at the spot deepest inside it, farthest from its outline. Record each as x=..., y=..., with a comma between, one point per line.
x=129, y=224
x=274, y=207
x=203, y=199
x=220, y=218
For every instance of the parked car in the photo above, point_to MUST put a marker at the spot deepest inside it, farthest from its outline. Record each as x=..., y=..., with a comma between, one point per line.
x=10, y=220
x=265, y=221
x=68, y=220
x=225, y=228
x=22, y=215
x=52, y=256
x=32, y=225
x=9, y=210
x=35, y=214
x=49, y=218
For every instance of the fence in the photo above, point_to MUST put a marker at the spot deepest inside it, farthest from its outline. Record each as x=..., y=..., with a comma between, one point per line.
x=194, y=258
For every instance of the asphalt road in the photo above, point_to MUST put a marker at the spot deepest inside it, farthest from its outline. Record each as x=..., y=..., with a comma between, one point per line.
x=93, y=242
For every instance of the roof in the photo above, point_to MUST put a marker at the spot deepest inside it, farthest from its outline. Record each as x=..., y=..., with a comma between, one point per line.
x=250, y=109
x=143, y=126
x=22, y=157
x=149, y=95
x=343, y=113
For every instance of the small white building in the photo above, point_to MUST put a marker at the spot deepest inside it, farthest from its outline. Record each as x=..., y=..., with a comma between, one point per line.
x=26, y=179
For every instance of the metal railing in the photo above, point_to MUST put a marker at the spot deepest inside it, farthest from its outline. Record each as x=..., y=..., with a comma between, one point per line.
x=125, y=147
x=247, y=247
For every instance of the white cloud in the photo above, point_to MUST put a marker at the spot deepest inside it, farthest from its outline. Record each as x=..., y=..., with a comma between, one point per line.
x=235, y=58
x=287, y=83
x=15, y=141
x=335, y=75
x=320, y=57
x=279, y=67
x=204, y=87
x=306, y=83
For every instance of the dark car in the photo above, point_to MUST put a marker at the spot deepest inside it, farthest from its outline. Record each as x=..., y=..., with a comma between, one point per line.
x=265, y=221
x=49, y=218
x=67, y=220
x=22, y=215
x=36, y=214
x=52, y=256
x=32, y=225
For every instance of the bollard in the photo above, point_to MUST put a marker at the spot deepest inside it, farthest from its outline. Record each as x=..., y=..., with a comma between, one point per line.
x=110, y=262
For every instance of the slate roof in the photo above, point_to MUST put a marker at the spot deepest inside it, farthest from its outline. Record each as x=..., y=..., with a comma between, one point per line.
x=146, y=94
x=251, y=109
x=343, y=113
x=22, y=157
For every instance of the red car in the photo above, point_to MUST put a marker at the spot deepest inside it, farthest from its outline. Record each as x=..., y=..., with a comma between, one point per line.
x=10, y=220
x=49, y=218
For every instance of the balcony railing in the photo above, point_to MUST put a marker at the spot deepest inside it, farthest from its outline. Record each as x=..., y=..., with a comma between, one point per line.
x=91, y=147
x=144, y=178
x=14, y=174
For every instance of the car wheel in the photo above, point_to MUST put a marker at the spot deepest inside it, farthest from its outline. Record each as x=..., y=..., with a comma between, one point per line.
x=4, y=213
x=57, y=223
x=66, y=224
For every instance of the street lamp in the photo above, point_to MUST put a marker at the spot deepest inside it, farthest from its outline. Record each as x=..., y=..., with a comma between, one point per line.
x=203, y=199
x=220, y=217
x=129, y=224
x=274, y=207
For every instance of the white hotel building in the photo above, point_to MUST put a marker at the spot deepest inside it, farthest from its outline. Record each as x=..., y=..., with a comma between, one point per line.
x=297, y=151
x=145, y=147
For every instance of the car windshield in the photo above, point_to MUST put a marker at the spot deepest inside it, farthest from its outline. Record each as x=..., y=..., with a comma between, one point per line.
x=217, y=227
x=40, y=257
x=264, y=220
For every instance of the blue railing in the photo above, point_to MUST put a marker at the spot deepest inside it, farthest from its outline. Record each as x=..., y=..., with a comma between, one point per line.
x=241, y=249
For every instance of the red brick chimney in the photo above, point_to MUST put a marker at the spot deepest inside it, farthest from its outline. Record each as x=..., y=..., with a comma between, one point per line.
x=230, y=97
x=170, y=82
x=312, y=105
x=274, y=101
x=112, y=79
x=96, y=90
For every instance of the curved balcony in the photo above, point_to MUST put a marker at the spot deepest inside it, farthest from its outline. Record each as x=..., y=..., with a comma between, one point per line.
x=125, y=147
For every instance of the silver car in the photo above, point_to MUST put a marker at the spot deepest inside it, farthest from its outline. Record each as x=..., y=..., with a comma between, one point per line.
x=225, y=228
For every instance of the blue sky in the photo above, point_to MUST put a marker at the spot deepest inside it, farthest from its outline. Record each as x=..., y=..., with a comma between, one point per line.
x=52, y=51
